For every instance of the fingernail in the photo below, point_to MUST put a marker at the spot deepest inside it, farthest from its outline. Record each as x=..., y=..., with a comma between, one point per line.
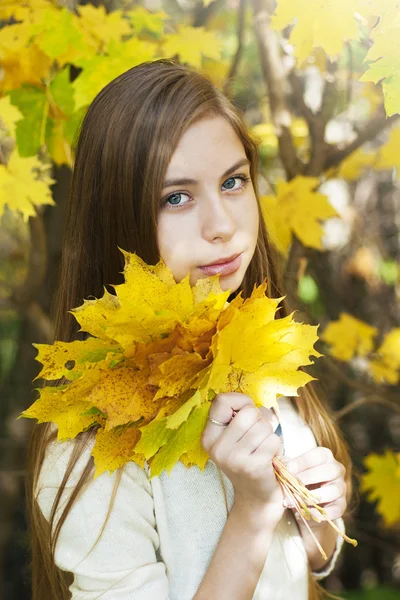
x=285, y=503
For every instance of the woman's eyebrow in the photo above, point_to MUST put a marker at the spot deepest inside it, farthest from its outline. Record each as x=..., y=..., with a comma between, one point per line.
x=185, y=181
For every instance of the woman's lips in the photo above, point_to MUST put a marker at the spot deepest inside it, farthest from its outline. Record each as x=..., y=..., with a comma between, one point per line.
x=223, y=268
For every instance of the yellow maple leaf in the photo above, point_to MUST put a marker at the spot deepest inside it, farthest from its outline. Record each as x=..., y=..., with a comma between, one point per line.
x=24, y=184
x=55, y=357
x=100, y=70
x=385, y=367
x=70, y=415
x=14, y=38
x=29, y=65
x=278, y=228
x=354, y=165
x=382, y=484
x=23, y=10
x=383, y=58
x=296, y=209
x=185, y=439
x=9, y=115
x=192, y=43
x=114, y=448
x=349, y=337
x=121, y=393
x=385, y=10
x=175, y=374
x=142, y=19
x=326, y=25
x=259, y=355
x=45, y=30
x=102, y=27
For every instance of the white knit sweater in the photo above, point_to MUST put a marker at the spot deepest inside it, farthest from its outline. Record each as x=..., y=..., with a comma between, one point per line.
x=163, y=531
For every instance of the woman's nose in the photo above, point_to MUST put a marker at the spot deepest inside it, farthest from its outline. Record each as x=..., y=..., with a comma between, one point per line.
x=218, y=220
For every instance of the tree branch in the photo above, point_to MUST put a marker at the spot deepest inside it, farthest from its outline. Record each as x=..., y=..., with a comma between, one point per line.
x=202, y=14
x=273, y=73
x=239, y=50
x=316, y=122
x=377, y=124
x=364, y=402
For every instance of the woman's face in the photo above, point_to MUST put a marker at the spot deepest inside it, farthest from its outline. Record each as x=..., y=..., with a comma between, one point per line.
x=213, y=216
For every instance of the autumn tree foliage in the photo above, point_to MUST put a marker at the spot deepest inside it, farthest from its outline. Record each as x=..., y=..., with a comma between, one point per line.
x=319, y=85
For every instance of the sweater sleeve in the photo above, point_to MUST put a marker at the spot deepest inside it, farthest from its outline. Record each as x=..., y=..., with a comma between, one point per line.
x=300, y=439
x=123, y=564
x=328, y=568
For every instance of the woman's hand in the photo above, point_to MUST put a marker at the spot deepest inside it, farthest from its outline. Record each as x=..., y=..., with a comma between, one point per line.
x=244, y=450
x=324, y=476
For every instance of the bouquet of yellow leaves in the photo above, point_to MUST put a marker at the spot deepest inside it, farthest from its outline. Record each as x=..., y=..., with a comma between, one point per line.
x=158, y=352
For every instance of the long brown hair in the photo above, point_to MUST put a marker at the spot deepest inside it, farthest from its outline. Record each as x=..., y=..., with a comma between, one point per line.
x=125, y=143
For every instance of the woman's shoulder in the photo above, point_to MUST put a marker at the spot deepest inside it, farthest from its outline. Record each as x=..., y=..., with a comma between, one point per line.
x=57, y=462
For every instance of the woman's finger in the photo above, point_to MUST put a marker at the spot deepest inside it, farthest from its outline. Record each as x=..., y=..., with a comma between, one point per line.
x=222, y=409
x=330, y=492
x=245, y=420
x=321, y=474
x=312, y=458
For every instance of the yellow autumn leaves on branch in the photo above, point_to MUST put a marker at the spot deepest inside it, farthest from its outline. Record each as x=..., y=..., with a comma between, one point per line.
x=157, y=354
x=297, y=209
x=335, y=22
x=349, y=338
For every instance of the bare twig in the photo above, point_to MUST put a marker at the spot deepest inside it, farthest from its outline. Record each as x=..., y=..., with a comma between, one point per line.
x=381, y=401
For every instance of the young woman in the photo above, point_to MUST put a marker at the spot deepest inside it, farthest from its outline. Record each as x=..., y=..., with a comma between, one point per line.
x=165, y=167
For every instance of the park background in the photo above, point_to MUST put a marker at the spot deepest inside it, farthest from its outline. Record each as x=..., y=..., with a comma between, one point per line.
x=319, y=85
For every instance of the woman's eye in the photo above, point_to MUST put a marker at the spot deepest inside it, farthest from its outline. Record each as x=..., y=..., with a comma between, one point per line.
x=174, y=199
x=241, y=178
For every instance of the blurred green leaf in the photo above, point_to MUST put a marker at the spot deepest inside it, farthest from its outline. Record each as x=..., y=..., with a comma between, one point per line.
x=308, y=289
x=32, y=102
x=63, y=93
x=389, y=272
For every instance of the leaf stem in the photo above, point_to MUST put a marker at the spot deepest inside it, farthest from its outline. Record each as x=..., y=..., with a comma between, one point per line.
x=302, y=498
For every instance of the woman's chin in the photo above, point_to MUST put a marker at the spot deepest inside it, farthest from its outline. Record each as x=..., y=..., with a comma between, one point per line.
x=230, y=282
